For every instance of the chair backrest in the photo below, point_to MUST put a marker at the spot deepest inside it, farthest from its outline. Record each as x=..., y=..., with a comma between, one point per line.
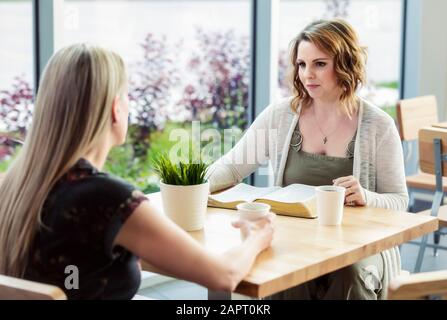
x=419, y=286
x=19, y=289
x=415, y=113
x=426, y=148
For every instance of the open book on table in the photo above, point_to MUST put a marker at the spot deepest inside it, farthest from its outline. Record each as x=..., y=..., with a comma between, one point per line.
x=296, y=200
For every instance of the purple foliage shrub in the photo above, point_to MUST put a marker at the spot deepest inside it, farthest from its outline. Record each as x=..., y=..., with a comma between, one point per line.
x=219, y=92
x=16, y=107
x=151, y=84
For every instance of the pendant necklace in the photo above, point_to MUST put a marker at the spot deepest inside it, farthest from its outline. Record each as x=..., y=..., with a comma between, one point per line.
x=325, y=136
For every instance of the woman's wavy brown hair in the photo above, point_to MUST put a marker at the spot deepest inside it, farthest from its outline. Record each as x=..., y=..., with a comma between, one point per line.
x=338, y=39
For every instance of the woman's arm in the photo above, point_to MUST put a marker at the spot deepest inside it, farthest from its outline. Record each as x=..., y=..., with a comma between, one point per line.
x=390, y=174
x=251, y=151
x=157, y=240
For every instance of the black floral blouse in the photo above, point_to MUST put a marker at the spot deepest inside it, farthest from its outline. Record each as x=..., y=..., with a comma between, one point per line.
x=80, y=220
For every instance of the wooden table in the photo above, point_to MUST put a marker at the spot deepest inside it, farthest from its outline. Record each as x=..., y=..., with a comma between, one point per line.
x=442, y=125
x=302, y=250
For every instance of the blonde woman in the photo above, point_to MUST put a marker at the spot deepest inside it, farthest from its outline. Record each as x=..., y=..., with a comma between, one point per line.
x=326, y=134
x=58, y=209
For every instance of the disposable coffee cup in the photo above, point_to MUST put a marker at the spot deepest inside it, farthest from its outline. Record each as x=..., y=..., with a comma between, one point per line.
x=252, y=211
x=330, y=201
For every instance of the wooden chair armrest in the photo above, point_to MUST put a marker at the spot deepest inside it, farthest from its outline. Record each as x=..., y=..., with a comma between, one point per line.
x=20, y=289
x=418, y=285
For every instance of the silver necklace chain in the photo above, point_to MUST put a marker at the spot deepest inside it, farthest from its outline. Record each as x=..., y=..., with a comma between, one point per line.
x=325, y=136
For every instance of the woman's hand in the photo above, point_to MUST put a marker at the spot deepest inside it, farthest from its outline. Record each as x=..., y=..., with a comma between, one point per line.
x=355, y=195
x=139, y=264
x=261, y=229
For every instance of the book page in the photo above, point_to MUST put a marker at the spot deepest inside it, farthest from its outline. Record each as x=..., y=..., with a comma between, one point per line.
x=242, y=192
x=293, y=193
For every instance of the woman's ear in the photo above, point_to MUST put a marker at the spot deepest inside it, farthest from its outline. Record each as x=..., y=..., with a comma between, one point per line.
x=116, y=109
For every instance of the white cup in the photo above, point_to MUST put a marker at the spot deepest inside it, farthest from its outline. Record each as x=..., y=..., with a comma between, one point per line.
x=330, y=201
x=252, y=211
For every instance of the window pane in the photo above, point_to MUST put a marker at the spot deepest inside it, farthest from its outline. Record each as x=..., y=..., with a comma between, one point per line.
x=187, y=61
x=16, y=76
x=378, y=24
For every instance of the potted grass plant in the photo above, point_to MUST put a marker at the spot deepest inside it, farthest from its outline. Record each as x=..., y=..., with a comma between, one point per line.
x=184, y=191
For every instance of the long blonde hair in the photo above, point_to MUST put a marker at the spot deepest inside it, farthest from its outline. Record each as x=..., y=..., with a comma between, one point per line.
x=338, y=39
x=72, y=113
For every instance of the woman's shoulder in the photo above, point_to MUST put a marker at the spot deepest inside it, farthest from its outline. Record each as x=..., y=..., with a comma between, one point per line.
x=281, y=107
x=276, y=112
x=83, y=176
x=103, y=187
x=102, y=196
x=83, y=184
x=282, y=104
x=372, y=114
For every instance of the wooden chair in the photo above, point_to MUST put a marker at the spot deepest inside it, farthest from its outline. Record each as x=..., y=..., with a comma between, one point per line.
x=412, y=115
x=433, y=160
x=419, y=286
x=19, y=289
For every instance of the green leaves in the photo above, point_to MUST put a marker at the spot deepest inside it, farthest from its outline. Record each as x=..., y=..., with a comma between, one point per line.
x=183, y=174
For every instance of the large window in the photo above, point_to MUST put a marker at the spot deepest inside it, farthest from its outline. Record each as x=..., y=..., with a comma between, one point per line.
x=16, y=74
x=378, y=23
x=188, y=61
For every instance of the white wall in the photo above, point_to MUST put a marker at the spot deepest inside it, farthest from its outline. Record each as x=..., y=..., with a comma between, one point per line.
x=426, y=51
x=433, y=74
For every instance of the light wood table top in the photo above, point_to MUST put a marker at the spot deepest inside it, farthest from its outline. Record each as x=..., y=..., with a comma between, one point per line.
x=302, y=250
x=442, y=125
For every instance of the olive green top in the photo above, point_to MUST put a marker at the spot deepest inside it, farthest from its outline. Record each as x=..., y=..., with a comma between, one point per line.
x=315, y=169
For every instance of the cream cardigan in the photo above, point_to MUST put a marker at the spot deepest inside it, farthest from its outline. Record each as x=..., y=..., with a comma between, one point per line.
x=378, y=159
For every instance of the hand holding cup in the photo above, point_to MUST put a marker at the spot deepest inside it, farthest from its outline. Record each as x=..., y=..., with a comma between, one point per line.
x=255, y=219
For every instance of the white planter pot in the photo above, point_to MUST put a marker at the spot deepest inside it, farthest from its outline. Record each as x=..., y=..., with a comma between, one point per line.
x=185, y=205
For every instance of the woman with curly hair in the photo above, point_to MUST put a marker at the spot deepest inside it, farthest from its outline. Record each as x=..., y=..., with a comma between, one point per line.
x=326, y=134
